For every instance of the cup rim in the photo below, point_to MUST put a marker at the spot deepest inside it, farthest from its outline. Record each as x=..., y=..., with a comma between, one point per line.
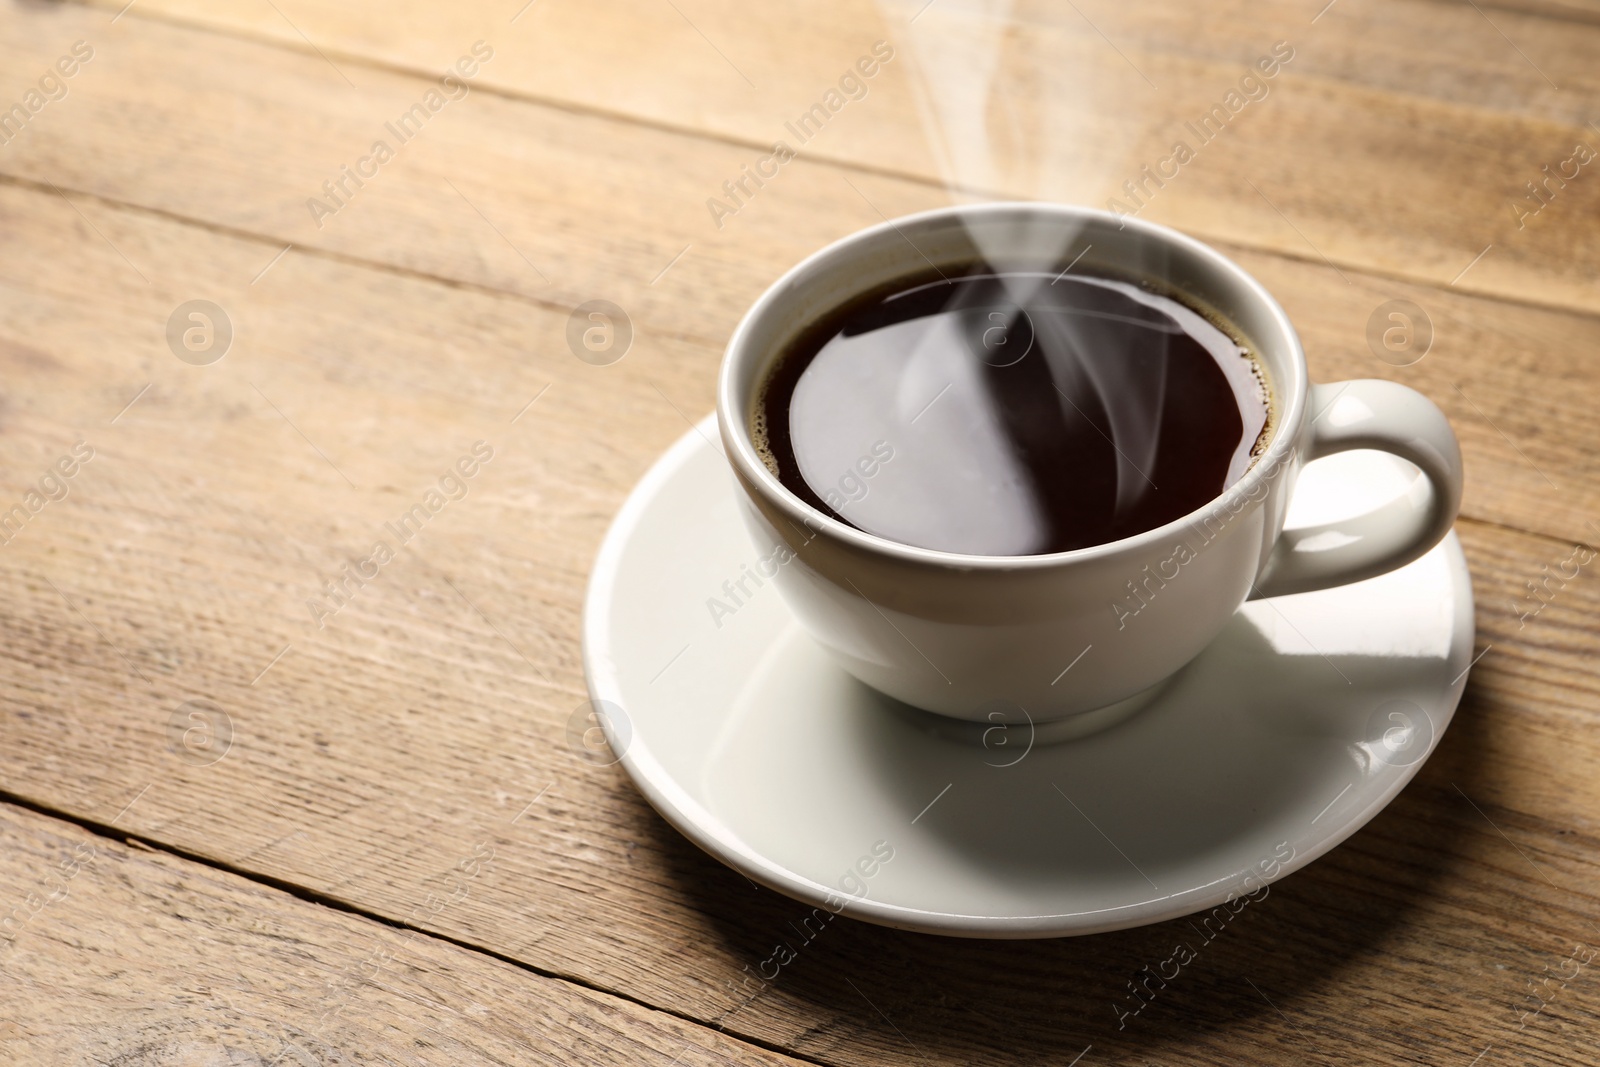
x=1290, y=396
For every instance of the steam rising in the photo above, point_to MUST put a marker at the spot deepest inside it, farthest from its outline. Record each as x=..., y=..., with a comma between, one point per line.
x=955, y=58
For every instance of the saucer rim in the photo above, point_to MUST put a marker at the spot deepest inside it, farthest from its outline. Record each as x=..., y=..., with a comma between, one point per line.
x=691, y=819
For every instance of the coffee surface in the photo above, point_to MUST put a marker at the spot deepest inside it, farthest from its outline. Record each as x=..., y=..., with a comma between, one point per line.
x=1011, y=413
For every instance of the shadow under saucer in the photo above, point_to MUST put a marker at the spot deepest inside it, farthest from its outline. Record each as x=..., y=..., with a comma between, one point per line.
x=1297, y=725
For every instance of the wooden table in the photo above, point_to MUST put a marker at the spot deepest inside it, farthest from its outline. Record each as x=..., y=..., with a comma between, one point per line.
x=261, y=808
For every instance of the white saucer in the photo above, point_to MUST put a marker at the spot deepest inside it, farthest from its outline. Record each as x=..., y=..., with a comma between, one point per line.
x=1274, y=745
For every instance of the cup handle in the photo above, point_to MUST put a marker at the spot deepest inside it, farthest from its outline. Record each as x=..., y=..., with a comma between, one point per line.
x=1377, y=414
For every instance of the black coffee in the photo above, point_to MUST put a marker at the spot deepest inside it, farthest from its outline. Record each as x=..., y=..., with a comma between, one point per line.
x=1005, y=413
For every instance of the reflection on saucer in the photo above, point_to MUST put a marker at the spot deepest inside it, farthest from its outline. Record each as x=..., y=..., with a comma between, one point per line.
x=1305, y=717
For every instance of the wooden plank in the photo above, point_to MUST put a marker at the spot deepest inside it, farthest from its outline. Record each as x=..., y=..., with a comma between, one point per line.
x=1531, y=453
x=1400, y=139
x=1531, y=459
x=112, y=954
x=575, y=207
x=431, y=713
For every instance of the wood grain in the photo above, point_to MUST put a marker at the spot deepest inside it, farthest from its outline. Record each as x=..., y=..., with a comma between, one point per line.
x=1396, y=141
x=432, y=712
x=359, y=756
x=164, y=962
x=577, y=207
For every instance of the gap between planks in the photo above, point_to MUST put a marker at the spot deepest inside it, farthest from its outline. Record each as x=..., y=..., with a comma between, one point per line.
x=333, y=903
x=380, y=266
x=694, y=133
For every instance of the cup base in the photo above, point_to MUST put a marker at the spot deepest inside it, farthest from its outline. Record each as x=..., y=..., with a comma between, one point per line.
x=1072, y=728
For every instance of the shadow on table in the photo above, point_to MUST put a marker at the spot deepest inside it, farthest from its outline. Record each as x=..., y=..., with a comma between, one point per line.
x=902, y=997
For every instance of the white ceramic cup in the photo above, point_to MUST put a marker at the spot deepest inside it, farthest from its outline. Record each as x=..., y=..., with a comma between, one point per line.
x=1063, y=634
